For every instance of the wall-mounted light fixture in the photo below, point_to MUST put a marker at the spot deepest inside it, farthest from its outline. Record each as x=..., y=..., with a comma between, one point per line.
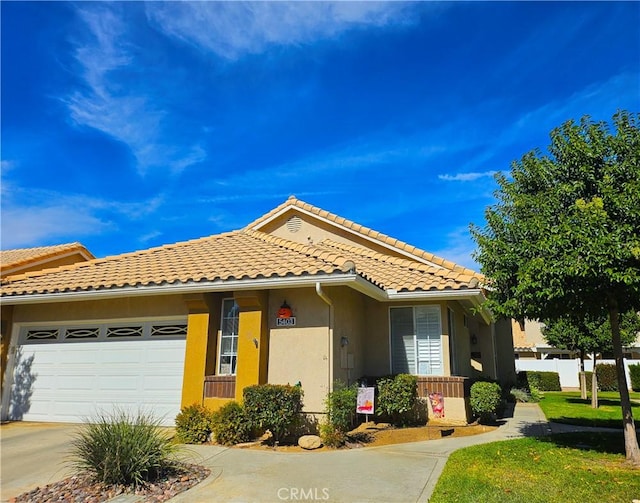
x=255, y=342
x=285, y=311
x=474, y=339
x=344, y=341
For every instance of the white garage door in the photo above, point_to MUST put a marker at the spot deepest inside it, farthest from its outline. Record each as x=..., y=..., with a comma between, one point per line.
x=71, y=373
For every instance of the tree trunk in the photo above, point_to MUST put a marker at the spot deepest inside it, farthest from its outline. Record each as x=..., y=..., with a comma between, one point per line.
x=583, y=377
x=594, y=383
x=630, y=439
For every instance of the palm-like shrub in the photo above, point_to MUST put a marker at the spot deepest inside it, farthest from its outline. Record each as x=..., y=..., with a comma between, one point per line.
x=123, y=449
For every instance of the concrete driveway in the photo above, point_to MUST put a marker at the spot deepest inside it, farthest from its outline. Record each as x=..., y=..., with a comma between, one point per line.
x=32, y=455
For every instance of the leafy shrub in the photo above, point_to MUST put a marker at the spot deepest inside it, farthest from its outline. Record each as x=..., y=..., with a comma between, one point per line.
x=397, y=397
x=341, y=406
x=331, y=435
x=193, y=424
x=520, y=395
x=123, y=449
x=544, y=381
x=485, y=399
x=273, y=407
x=634, y=372
x=230, y=424
x=607, y=377
x=536, y=394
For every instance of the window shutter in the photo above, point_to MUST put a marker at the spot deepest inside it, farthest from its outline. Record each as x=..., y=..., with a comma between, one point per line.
x=403, y=355
x=429, y=340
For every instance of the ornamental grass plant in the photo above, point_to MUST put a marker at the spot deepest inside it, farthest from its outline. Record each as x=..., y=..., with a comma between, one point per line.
x=123, y=448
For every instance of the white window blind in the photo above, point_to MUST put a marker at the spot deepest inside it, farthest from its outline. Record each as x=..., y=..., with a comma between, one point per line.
x=416, y=340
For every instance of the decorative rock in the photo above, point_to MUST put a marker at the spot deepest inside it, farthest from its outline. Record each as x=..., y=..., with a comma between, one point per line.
x=310, y=442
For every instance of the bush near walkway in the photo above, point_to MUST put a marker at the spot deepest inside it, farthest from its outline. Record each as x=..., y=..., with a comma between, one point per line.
x=397, y=398
x=123, y=449
x=273, y=407
x=193, y=424
x=485, y=400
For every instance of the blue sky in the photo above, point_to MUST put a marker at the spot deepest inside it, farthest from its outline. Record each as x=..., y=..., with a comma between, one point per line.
x=130, y=125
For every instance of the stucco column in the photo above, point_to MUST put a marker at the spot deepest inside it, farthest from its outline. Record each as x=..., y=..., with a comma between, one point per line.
x=195, y=358
x=253, y=339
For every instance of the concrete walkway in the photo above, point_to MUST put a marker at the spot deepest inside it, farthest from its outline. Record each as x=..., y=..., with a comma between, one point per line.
x=394, y=473
x=34, y=454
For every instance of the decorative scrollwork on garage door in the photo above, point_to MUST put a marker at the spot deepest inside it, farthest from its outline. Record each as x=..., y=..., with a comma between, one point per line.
x=166, y=330
x=82, y=333
x=124, y=332
x=42, y=335
x=120, y=330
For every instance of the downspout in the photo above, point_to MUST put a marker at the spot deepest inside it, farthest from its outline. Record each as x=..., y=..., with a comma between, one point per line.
x=328, y=301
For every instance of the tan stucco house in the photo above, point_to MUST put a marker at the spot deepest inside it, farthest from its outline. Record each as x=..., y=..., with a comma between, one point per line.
x=529, y=344
x=298, y=295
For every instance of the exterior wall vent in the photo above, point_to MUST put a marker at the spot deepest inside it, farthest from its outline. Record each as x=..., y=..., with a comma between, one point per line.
x=294, y=224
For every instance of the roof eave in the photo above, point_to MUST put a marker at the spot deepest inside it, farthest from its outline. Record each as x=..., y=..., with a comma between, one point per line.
x=474, y=295
x=335, y=279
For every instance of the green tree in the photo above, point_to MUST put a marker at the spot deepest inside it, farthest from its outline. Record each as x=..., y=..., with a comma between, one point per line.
x=563, y=238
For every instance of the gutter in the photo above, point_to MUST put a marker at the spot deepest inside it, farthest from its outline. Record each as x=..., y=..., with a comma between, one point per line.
x=349, y=278
x=328, y=301
x=345, y=279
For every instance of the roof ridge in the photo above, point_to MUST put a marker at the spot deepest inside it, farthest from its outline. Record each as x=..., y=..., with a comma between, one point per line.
x=292, y=201
x=367, y=252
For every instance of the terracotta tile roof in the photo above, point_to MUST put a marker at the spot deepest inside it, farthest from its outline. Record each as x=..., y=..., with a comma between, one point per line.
x=292, y=201
x=398, y=274
x=22, y=257
x=241, y=255
x=233, y=255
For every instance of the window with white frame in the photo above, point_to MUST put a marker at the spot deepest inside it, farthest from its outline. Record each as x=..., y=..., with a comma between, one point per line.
x=416, y=340
x=228, y=349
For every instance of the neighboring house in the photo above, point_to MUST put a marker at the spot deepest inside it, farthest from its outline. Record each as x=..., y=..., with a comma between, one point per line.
x=24, y=260
x=530, y=344
x=300, y=295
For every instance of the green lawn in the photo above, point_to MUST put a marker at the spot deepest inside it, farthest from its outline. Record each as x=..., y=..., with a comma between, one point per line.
x=568, y=407
x=577, y=467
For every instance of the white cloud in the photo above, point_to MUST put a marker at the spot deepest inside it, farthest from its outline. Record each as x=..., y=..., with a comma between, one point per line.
x=149, y=236
x=31, y=226
x=55, y=217
x=467, y=177
x=233, y=29
x=126, y=114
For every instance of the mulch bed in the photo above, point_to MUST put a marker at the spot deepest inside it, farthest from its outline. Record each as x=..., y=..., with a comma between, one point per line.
x=83, y=489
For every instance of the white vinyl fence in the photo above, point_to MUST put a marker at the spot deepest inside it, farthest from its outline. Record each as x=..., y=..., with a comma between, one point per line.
x=568, y=369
